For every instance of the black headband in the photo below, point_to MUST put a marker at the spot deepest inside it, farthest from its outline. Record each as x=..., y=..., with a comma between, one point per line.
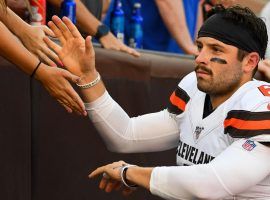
x=230, y=33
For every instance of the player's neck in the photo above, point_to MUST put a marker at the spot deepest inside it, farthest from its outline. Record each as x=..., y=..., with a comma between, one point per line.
x=218, y=99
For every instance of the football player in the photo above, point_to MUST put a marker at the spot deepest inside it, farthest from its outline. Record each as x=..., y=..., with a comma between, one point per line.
x=218, y=117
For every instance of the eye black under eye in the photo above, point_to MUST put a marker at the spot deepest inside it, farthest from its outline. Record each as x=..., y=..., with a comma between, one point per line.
x=218, y=60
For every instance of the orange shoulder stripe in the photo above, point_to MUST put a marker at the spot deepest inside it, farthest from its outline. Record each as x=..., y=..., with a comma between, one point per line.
x=247, y=125
x=176, y=101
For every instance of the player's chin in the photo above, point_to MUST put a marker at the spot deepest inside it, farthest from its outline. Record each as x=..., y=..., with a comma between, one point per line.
x=203, y=85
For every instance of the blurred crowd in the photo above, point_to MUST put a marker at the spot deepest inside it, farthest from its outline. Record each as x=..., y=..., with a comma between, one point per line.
x=168, y=25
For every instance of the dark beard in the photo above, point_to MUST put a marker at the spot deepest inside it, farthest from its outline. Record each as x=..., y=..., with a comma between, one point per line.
x=220, y=88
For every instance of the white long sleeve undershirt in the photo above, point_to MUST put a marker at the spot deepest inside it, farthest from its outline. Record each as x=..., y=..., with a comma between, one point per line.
x=233, y=172
x=146, y=133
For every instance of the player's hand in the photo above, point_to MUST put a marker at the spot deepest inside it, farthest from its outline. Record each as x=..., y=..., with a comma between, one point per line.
x=76, y=54
x=111, y=178
x=112, y=170
x=108, y=185
x=56, y=82
x=109, y=41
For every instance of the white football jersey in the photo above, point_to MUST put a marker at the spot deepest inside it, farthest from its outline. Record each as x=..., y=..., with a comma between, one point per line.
x=246, y=114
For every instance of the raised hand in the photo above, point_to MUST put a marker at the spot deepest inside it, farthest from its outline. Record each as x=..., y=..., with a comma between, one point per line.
x=76, y=54
x=109, y=41
x=32, y=38
x=56, y=82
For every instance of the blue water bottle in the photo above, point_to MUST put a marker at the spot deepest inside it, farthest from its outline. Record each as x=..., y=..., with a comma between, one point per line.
x=117, y=22
x=136, y=30
x=68, y=9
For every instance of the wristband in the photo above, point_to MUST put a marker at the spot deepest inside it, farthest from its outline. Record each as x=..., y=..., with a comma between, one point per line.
x=33, y=73
x=91, y=84
x=124, y=178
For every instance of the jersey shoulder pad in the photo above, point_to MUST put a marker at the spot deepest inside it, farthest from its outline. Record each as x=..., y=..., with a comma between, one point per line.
x=257, y=94
x=182, y=94
x=189, y=83
x=250, y=117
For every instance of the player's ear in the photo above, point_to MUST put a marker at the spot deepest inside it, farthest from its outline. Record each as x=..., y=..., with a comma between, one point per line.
x=250, y=61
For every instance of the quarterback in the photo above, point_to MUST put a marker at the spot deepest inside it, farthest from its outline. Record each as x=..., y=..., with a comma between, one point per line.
x=218, y=117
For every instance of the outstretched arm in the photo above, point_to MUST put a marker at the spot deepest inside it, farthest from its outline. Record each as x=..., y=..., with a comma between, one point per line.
x=31, y=36
x=233, y=172
x=88, y=23
x=77, y=55
x=173, y=15
x=120, y=132
x=55, y=80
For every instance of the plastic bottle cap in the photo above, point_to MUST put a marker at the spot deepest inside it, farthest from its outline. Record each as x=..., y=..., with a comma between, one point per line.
x=137, y=5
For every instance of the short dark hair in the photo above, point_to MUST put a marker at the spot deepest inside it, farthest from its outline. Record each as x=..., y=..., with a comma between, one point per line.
x=240, y=56
x=245, y=18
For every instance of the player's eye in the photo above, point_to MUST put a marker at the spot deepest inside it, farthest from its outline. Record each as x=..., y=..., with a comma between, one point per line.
x=199, y=47
x=217, y=49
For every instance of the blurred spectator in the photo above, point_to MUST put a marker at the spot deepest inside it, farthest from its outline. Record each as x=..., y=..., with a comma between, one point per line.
x=20, y=7
x=94, y=6
x=30, y=36
x=106, y=5
x=208, y=4
x=169, y=25
x=225, y=3
x=265, y=14
x=89, y=24
x=255, y=6
x=264, y=68
x=264, y=65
